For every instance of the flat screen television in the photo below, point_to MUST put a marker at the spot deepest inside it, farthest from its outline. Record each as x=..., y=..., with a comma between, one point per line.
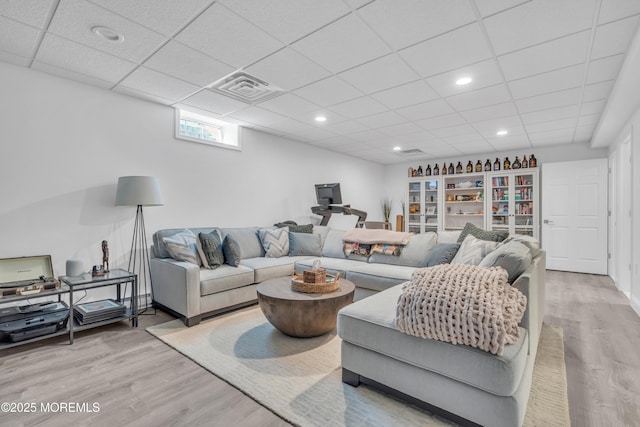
x=328, y=194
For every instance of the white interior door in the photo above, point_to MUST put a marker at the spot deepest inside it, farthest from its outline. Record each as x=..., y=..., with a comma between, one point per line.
x=574, y=215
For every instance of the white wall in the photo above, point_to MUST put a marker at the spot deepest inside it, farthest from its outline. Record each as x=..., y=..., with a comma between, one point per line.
x=65, y=144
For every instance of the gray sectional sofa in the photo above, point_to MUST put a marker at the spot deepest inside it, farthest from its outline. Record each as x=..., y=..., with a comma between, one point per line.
x=462, y=383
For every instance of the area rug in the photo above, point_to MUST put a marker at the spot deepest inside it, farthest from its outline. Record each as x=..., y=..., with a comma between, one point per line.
x=300, y=379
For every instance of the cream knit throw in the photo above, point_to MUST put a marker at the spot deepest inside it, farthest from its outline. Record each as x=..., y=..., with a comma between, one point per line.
x=461, y=304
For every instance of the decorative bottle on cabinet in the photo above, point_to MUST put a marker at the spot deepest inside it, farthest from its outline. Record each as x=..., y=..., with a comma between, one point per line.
x=459, y=168
x=516, y=164
x=419, y=170
x=487, y=166
x=533, y=163
x=427, y=172
x=479, y=166
x=496, y=165
x=411, y=172
x=507, y=164
x=436, y=170
x=451, y=170
x=525, y=163
x=444, y=168
x=469, y=167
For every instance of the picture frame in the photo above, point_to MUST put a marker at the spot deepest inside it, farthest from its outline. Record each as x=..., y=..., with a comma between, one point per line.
x=449, y=186
x=431, y=210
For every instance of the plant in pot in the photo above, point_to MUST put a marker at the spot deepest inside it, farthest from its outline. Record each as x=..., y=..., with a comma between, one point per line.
x=386, y=209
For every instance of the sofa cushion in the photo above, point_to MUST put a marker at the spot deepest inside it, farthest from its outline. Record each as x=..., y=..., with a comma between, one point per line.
x=370, y=323
x=247, y=239
x=441, y=253
x=210, y=249
x=182, y=246
x=515, y=257
x=479, y=233
x=275, y=241
x=378, y=277
x=231, y=251
x=414, y=254
x=333, y=244
x=304, y=244
x=532, y=243
x=270, y=268
x=224, y=278
x=473, y=250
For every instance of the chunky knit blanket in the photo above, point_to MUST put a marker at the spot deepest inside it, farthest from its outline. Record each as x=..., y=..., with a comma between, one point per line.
x=461, y=304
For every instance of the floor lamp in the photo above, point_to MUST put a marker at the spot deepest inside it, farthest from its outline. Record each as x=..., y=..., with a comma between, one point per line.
x=139, y=191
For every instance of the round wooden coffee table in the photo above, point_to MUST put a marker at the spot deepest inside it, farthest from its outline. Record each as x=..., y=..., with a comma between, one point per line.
x=299, y=314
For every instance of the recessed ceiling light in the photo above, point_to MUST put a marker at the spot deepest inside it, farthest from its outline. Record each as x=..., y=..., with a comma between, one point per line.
x=464, y=81
x=321, y=119
x=502, y=132
x=108, y=34
x=397, y=148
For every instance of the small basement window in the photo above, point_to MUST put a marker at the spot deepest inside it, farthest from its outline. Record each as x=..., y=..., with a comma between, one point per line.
x=195, y=127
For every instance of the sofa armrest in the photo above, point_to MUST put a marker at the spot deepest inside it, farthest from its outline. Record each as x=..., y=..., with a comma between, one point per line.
x=531, y=283
x=176, y=285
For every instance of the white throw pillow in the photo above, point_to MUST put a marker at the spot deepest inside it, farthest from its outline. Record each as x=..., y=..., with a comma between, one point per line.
x=473, y=250
x=183, y=246
x=275, y=241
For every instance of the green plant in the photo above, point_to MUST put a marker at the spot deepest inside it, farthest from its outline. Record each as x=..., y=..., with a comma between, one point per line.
x=386, y=208
x=403, y=205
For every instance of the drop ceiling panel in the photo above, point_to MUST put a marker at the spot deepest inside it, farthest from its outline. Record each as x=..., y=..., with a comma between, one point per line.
x=328, y=92
x=223, y=35
x=560, y=53
x=536, y=22
x=604, y=69
x=71, y=75
x=485, y=73
x=448, y=52
x=489, y=7
x=596, y=91
x=463, y=129
x=309, y=117
x=553, y=137
x=345, y=127
x=489, y=128
x=18, y=39
x=143, y=95
x=614, y=38
x=480, y=98
x=288, y=70
x=158, y=84
x=31, y=12
x=400, y=129
x=615, y=9
x=590, y=119
x=562, y=124
x=415, y=21
x=75, y=18
x=256, y=115
x=550, y=100
x=288, y=105
x=10, y=58
x=75, y=57
x=474, y=147
x=379, y=74
x=182, y=62
x=359, y=107
x=407, y=94
x=386, y=118
x=425, y=110
x=504, y=109
x=214, y=102
x=367, y=135
x=518, y=142
x=551, y=114
x=552, y=81
x=346, y=43
x=440, y=121
x=462, y=139
x=593, y=107
x=163, y=16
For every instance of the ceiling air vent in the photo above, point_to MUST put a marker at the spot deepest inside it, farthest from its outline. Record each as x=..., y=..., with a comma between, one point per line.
x=410, y=153
x=245, y=87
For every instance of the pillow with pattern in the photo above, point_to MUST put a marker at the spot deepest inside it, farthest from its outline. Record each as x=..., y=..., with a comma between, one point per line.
x=210, y=248
x=183, y=247
x=473, y=250
x=275, y=241
x=479, y=233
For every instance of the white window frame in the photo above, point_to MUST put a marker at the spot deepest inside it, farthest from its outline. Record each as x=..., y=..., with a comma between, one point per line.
x=230, y=131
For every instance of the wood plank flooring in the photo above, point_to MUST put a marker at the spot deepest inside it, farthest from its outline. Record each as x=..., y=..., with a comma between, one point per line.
x=137, y=380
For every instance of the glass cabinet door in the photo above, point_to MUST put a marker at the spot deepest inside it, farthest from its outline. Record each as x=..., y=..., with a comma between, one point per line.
x=514, y=205
x=523, y=197
x=423, y=207
x=431, y=205
x=464, y=201
x=413, y=222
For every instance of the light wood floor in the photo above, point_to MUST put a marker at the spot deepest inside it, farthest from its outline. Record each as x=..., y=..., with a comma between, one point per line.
x=138, y=380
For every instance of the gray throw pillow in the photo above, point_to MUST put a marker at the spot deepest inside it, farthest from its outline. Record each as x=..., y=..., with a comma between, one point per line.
x=275, y=241
x=515, y=257
x=531, y=242
x=479, y=233
x=304, y=244
x=183, y=247
x=473, y=250
x=333, y=244
x=211, y=247
x=441, y=253
x=305, y=228
x=231, y=250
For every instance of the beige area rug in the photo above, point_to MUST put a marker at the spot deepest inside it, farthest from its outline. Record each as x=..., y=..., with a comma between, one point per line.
x=300, y=379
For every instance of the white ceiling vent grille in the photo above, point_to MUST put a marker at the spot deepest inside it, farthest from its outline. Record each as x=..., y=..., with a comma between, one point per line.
x=245, y=87
x=410, y=153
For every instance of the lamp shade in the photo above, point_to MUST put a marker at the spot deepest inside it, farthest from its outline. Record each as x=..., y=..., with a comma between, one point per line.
x=138, y=191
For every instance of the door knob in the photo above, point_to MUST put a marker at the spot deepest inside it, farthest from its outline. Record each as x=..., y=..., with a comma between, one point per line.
x=546, y=221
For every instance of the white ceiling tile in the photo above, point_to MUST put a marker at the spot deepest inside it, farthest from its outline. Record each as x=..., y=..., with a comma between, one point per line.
x=386, y=118
x=415, y=21
x=615, y=9
x=604, y=69
x=490, y=112
x=400, y=129
x=462, y=139
x=367, y=135
x=287, y=69
x=222, y=34
x=289, y=20
x=359, y=107
x=18, y=39
x=584, y=132
x=328, y=92
x=10, y=58
x=440, y=121
x=459, y=130
x=552, y=81
x=552, y=137
x=550, y=100
x=158, y=84
x=379, y=74
x=536, y=22
x=180, y=61
x=479, y=98
x=257, y=116
x=474, y=147
x=288, y=105
x=75, y=57
x=346, y=127
x=214, y=102
x=489, y=128
x=407, y=94
x=143, y=95
x=614, y=38
x=569, y=123
x=489, y=7
x=310, y=117
x=71, y=75
x=313, y=133
x=590, y=119
x=31, y=12
x=560, y=53
x=75, y=18
x=425, y=110
x=596, y=91
x=163, y=16
x=333, y=141
x=551, y=114
x=485, y=73
x=593, y=107
x=343, y=44
x=516, y=142
x=449, y=51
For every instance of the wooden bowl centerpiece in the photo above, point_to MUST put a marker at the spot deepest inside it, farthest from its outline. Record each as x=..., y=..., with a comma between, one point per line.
x=314, y=281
